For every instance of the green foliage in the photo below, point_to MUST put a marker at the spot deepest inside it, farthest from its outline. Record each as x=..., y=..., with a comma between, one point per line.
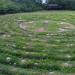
x=11, y=6
x=68, y=4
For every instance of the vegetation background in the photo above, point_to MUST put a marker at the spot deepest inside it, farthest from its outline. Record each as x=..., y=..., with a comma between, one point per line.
x=12, y=6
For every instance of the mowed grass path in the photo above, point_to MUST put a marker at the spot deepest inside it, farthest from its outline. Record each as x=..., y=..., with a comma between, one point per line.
x=38, y=43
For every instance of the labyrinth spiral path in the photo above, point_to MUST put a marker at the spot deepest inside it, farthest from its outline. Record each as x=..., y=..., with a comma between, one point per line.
x=37, y=44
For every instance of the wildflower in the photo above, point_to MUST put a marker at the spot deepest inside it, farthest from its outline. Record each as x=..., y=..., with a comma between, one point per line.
x=66, y=65
x=70, y=45
x=68, y=56
x=13, y=45
x=35, y=63
x=51, y=73
x=6, y=35
x=14, y=63
x=8, y=59
x=51, y=34
x=23, y=61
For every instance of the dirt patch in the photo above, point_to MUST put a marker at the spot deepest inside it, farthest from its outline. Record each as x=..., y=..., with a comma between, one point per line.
x=66, y=25
x=31, y=22
x=46, y=22
x=40, y=30
x=62, y=30
x=24, y=25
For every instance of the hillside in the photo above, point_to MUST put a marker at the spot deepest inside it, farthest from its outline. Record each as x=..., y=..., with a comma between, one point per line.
x=11, y=6
x=41, y=43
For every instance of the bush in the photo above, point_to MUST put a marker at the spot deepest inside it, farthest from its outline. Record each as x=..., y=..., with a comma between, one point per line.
x=12, y=6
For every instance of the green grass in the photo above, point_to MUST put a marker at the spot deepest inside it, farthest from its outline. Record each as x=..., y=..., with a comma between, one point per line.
x=30, y=52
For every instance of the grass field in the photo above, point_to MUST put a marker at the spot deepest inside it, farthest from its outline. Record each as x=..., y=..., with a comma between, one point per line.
x=38, y=43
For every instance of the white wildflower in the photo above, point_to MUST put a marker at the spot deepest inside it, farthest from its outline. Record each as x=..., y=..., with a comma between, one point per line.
x=8, y=58
x=51, y=73
x=14, y=63
x=70, y=45
x=6, y=35
x=23, y=61
x=35, y=63
x=13, y=45
x=66, y=65
x=68, y=56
